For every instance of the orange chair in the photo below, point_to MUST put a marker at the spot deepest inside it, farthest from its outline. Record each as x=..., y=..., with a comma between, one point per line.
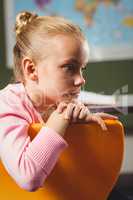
x=87, y=170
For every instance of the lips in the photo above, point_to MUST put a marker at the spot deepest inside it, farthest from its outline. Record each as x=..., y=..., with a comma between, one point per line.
x=72, y=95
x=75, y=92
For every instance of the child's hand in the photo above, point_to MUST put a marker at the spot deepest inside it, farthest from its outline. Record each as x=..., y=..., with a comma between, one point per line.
x=78, y=112
x=99, y=118
x=57, y=122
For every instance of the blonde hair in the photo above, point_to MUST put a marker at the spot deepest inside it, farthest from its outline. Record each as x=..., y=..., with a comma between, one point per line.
x=30, y=26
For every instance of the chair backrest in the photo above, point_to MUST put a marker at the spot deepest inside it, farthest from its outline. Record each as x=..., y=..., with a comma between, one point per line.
x=87, y=169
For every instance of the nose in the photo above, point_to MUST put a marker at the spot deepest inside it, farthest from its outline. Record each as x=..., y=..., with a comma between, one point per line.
x=79, y=80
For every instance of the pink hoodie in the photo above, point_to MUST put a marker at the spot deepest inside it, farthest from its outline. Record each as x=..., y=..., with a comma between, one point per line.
x=28, y=162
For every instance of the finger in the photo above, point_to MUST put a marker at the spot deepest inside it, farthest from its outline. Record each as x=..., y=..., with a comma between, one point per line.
x=106, y=116
x=84, y=113
x=61, y=107
x=69, y=111
x=99, y=120
x=76, y=112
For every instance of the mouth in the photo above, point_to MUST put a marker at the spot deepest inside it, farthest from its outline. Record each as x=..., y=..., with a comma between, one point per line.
x=74, y=93
x=71, y=95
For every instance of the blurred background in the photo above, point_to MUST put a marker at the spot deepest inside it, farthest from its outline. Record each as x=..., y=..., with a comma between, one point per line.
x=108, y=25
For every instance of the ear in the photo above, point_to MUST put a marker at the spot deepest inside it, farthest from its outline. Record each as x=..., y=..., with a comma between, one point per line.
x=29, y=69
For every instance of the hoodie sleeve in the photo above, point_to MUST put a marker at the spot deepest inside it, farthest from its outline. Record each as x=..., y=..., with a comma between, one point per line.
x=28, y=162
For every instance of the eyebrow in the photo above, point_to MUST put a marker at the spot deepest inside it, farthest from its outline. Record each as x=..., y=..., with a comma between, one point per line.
x=75, y=61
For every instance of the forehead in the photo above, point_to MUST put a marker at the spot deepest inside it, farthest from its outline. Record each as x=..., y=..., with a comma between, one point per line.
x=63, y=47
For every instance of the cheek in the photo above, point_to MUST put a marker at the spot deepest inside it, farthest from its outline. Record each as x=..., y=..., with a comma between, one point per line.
x=64, y=84
x=55, y=82
x=66, y=78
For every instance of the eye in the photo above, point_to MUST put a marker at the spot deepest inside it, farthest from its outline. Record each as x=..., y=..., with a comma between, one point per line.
x=70, y=67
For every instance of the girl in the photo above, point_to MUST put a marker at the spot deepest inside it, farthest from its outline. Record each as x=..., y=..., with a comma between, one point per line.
x=49, y=56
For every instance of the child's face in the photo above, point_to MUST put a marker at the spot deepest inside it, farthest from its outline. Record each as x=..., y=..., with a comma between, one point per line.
x=60, y=72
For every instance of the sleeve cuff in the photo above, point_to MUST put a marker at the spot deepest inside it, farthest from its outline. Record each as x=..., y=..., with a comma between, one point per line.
x=46, y=148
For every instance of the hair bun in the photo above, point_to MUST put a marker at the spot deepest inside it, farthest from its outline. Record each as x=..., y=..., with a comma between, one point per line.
x=22, y=20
